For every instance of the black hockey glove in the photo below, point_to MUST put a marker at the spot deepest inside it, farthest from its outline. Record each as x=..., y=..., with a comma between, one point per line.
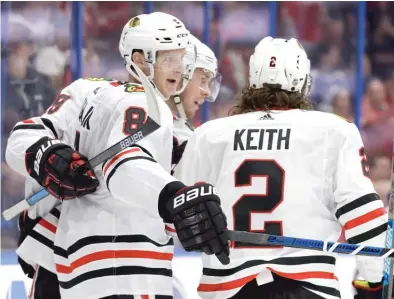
x=198, y=218
x=367, y=290
x=52, y=164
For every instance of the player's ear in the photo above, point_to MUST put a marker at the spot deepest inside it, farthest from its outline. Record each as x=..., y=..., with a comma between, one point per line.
x=139, y=59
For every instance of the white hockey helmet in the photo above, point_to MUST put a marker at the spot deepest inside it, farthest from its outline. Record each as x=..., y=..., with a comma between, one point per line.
x=280, y=63
x=207, y=61
x=151, y=33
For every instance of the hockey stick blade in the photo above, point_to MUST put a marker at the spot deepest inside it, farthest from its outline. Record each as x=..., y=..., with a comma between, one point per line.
x=333, y=247
x=388, y=263
x=149, y=127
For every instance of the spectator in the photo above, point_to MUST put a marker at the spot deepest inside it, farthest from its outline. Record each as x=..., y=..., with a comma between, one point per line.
x=380, y=172
x=51, y=60
x=380, y=168
x=27, y=92
x=327, y=74
x=381, y=20
x=376, y=108
x=388, y=80
x=383, y=190
x=342, y=104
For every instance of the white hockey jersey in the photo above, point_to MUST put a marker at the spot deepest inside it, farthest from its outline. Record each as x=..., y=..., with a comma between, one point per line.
x=37, y=248
x=294, y=173
x=183, y=130
x=100, y=239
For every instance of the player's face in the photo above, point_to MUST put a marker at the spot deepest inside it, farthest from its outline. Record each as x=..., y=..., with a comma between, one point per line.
x=168, y=71
x=196, y=92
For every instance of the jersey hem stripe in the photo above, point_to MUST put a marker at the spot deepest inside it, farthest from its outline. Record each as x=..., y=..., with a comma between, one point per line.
x=113, y=254
x=225, y=286
x=288, y=261
x=107, y=239
x=114, y=271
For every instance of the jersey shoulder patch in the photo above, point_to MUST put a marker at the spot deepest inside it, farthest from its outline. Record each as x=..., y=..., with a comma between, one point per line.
x=98, y=79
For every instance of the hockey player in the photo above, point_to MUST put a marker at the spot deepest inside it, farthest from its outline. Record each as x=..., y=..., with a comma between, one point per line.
x=37, y=244
x=112, y=242
x=204, y=85
x=283, y=169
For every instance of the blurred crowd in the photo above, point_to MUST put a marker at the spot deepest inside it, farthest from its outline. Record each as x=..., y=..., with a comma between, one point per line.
x=36, y=56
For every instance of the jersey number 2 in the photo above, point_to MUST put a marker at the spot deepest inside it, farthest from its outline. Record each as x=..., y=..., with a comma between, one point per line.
x=266, y=203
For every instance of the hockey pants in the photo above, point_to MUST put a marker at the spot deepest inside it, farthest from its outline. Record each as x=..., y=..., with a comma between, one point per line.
x=280, y=288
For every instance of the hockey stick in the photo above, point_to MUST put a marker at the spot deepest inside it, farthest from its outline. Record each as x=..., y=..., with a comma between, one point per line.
x=151, y=125
x=387, y=290
x=335, y=247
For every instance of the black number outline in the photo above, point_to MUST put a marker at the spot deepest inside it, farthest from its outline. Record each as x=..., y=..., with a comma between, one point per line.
x=364, y=162
x=264, y=166
x=129, y=120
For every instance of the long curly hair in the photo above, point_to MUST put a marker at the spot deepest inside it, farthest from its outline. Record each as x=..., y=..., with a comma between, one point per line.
x=268, y=98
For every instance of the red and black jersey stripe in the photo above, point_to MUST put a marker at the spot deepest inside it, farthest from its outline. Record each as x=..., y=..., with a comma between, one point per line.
x=117, y=161
x=107, y=239
x=362, y=218
x=123, y=270
x=286, y=261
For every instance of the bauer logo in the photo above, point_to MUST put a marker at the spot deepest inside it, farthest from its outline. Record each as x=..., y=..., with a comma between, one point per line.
x=40, y=153
x=132, y=139
x=194, y=193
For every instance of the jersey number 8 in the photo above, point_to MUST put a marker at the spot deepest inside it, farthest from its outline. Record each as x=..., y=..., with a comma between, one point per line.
x=134, y=119
x=58, y=103
x=266, y=203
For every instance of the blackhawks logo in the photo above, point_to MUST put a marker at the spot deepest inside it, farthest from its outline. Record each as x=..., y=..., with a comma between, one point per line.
x=299, y=44
x=134, y=22
x=131, y=87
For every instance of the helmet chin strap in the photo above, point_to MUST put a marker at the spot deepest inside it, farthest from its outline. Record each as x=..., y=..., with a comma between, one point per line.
x=186, y=78
x=179, y=106
x=129, y=63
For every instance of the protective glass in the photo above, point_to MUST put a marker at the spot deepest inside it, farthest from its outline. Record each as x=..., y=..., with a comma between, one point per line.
x=180, y=65
x=209, y=84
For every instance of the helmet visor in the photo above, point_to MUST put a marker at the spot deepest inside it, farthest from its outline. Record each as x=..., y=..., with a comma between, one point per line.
x=174, y=68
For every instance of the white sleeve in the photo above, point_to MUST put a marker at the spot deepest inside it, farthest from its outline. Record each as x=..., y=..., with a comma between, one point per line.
x=133, y=174
x=51, y=124
x=358, y=208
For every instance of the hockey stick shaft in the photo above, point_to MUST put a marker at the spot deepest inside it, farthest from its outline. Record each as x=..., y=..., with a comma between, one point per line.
x=387, y=290
x=149, y=127
x=334, y=247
